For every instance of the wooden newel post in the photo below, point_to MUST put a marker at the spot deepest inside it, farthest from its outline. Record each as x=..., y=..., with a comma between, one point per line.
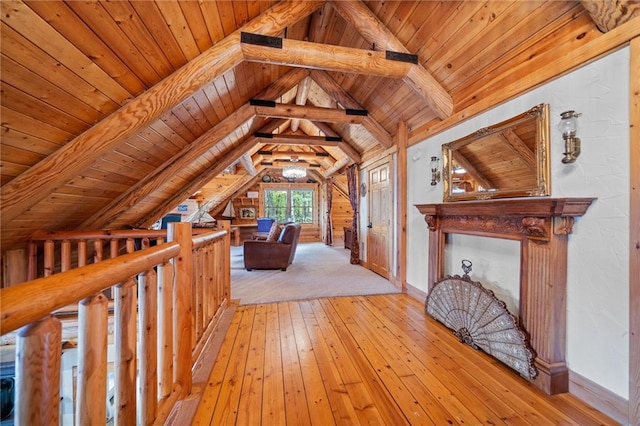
x=180, y=232
x=38, y=355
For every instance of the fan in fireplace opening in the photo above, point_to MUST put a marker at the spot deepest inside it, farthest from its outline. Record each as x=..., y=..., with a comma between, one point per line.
x=481, y=320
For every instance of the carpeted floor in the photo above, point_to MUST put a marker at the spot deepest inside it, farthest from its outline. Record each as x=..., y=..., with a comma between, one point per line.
x=317, y=271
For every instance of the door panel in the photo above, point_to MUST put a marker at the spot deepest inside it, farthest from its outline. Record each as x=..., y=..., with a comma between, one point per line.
x=379, y=220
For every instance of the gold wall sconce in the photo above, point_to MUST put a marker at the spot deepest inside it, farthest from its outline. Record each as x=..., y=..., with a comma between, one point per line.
x=568, y=126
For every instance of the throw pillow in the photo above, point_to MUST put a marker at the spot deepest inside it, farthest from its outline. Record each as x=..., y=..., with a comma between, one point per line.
x=274, y=232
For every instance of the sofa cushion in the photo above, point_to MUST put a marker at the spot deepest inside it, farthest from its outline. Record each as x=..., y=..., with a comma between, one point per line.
x=274, y=232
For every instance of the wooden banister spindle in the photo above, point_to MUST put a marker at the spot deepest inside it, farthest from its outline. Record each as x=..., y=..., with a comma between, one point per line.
x=183, y=344
x=147, y=311
x=165, y=321
x=92, y=361
x=49, y=261
x=148, y=326
x=82, y=253
x=125, y=347
x=32, y=260
x=198, y=292
x=65, y=255
x=38, y=354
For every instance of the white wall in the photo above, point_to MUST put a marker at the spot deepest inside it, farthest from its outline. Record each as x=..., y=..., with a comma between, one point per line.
x=598, y=263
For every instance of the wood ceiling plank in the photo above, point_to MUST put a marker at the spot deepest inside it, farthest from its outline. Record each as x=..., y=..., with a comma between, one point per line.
x=196, y=24
x=232, y=88
x=200, y=115
x=134, y=29
x=26, y=22
x=224, y=95
x=212, y=20
x=177, y=23
x=559, y=38
x=64, y=20
x=18, y=139
x=214, y=100
x=227, y=16
x=403, y=25
x=500, y=35
x=32, y=84
x=10, y=170
x=240, y=12
x=96, y=17
x=22, y=51
x=458, y=45
x=18, y=155
x=28, y=125
x=153, y=19
x=46, y=114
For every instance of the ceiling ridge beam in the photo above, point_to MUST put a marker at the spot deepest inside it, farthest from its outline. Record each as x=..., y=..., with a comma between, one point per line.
x=375, y=32
x=189, y=154
x=337, y=92
x=39, y=181
x=313, y=113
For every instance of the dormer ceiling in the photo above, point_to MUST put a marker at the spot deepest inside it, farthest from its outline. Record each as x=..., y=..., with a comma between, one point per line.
x=115, y=112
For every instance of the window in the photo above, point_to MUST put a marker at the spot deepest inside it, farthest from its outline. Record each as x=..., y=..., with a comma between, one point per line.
x=287, y=205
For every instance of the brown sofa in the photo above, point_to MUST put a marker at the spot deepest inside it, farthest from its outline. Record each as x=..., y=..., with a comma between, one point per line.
x=277, y=254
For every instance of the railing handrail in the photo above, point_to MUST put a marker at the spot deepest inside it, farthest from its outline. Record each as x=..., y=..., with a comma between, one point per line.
x=33, y=300
x=106, y=234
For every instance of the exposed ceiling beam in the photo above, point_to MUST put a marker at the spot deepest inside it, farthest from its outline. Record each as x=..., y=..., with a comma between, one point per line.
x=246, y=162
x=308, y=156
x=471, y=170
x=57, y=169
x=305, y=54
x=375, y=32
x=301, y=99
x=335, y=91
x=608, y=14
x=276, y=139
x=312, y=140
x=331, y=115
x=520, y=148
x=337, y=167
x=189, y=154
x=280, y=163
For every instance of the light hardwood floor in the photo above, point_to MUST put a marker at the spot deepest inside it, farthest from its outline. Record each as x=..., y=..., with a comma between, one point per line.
x=366, y=360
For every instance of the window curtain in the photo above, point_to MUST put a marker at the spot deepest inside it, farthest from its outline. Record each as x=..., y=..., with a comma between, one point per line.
x=352, y=183
x=328, y=240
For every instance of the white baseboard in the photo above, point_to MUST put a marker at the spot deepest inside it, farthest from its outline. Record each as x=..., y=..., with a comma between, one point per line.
x=599, y=398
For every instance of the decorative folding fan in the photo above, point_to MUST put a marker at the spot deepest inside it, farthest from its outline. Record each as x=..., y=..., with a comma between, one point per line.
x=481, y=320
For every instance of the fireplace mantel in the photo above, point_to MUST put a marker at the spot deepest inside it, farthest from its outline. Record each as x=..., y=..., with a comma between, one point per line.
x=542, y=225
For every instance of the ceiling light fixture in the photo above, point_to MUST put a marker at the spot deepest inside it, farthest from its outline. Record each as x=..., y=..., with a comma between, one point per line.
x=294, y=172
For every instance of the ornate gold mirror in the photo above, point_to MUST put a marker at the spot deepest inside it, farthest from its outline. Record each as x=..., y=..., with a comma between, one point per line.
x=508, y=159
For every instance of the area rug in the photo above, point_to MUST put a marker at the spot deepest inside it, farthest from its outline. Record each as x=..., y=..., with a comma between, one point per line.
x=317, y=271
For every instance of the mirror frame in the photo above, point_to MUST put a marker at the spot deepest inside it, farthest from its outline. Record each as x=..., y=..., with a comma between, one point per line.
x=543, y=187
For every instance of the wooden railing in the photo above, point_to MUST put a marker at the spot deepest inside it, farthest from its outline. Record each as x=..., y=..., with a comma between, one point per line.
x=183, y=287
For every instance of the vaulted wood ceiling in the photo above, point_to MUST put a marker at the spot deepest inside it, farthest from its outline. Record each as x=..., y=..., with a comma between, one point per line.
x=115, y=112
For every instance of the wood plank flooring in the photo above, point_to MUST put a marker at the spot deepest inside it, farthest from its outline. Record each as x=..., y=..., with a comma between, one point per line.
x=366, y=360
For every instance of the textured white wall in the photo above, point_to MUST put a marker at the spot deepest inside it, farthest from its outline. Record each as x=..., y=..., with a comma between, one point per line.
x=598, y=264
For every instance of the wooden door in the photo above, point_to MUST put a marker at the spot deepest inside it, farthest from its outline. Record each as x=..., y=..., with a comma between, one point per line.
x=379, y=220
